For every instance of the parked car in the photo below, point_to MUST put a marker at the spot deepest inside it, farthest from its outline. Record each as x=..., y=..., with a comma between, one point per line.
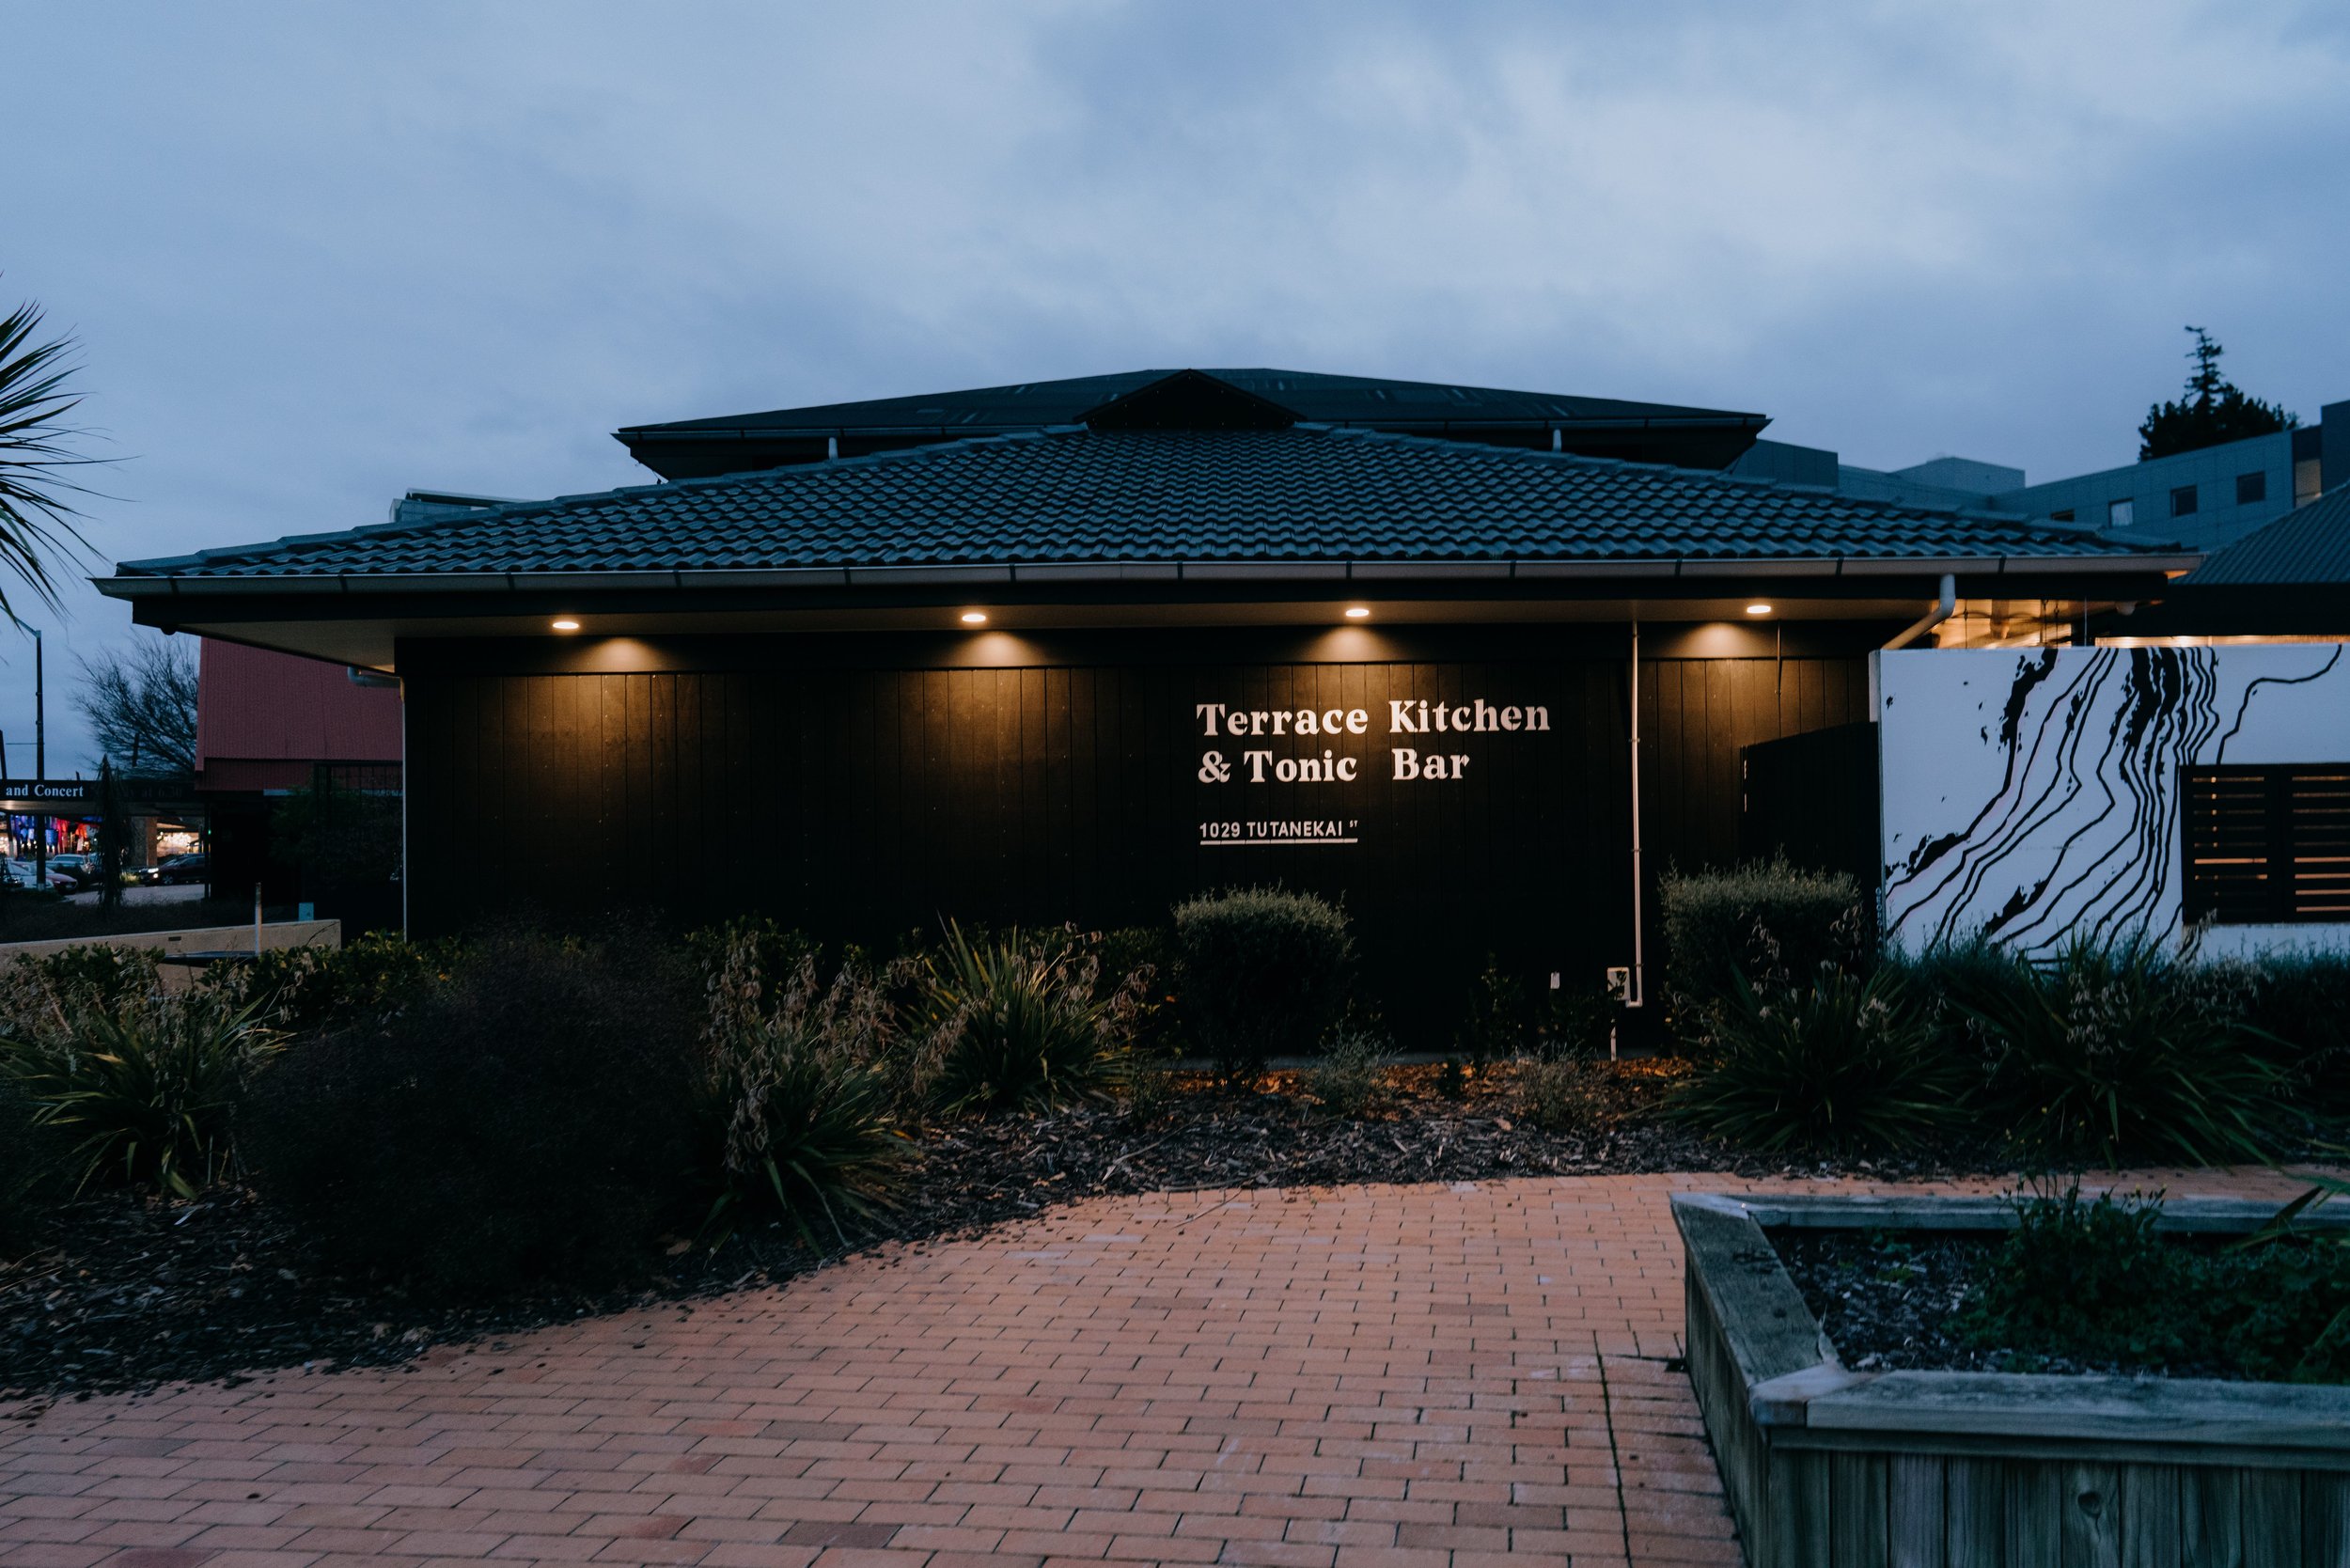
x=176, y=868
x=83, y=868
x=23, y=873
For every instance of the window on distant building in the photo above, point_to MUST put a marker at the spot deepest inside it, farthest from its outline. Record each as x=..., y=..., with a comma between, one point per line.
x=2182, y=501
x=2263, y=844
x=2251, y=488
x=2121, y=514
x=2064, y=516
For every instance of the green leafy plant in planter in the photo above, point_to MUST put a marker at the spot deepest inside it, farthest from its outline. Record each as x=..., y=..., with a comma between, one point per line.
x=2118, y=1051
x=1019, y=1022
x=1264, y=970
x=1842, y=1065
x=797, y=1095
x=2098, y=1282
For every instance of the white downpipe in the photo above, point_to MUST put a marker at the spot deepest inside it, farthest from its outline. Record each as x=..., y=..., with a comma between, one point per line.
x=1945, y=606
x=1639, y=995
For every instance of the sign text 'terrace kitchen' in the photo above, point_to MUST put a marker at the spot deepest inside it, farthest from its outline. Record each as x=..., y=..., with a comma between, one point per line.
x=1439, y=753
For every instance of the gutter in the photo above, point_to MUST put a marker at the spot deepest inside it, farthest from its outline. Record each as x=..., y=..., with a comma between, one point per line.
x=1692, y=572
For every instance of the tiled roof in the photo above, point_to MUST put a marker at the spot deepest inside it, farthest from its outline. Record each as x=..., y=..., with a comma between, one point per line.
x=2308, y=545
x=1306, y=494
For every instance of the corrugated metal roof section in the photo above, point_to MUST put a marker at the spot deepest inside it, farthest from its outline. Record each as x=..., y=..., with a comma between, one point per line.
x=2310, y=544
x=1305, y=494
x=1311, y=395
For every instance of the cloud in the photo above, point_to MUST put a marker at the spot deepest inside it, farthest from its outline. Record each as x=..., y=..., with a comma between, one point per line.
x=321, y=255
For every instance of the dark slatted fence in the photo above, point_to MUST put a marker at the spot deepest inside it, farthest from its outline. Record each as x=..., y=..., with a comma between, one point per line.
x=2268, y=845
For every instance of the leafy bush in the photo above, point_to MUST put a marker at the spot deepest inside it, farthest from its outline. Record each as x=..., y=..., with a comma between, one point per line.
x=2118, y=1052
x=1346, y=1078
x=2096, y=1282
x=1262, y=969
x=1019, y=1022
x=1575, y=1023
x=32, y=1167
x=1842, y=1065
x=532, y=1117
x=1496, y=1023
x=776, y=949
x=1158, y=1020
x=142, y=1086
x=1765, y=922
x=305, y=989
x=96, y=972
x=796, y=1098
x=2302, y=1000
x=1563, y=1095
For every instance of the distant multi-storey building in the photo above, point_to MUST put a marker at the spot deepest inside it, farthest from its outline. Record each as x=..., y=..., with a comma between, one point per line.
x=2202, y=500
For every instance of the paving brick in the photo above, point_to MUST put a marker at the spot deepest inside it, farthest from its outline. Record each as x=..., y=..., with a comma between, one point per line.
x=1353, y=1377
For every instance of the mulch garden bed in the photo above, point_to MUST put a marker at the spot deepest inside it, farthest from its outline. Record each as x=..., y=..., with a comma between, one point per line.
x=129, y=1295
x=1892, y=1301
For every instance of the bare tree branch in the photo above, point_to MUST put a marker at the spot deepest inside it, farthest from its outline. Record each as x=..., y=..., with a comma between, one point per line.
x=141, y=705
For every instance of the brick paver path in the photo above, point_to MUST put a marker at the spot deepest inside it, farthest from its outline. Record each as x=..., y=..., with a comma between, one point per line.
x=1406, y=1377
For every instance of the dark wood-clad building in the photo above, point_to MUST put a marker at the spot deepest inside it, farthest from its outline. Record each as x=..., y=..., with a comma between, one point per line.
x=1073, y=651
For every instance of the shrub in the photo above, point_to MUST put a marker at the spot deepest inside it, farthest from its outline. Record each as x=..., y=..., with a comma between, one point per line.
x=2090, y=1280
x=96, y=972
x=1767, y=921
x=1261, y=969
x=32, y=1167
x=1842, y=1065
x=796, y=1100
x=531, y=1118
x=301, y=990
x=2303, y=1001
x=2118, y=1051
x=776, y=949
x=1563, y=1095
x=1346, y=1078
x=2098, y=1282
x=1575, y=1023
x=1018, y=1021
x=1494, y=1025
x=1158, y=1020
x=143, y=1086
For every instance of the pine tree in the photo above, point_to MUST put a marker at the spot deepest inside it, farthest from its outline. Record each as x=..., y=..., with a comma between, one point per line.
x=2215, y=410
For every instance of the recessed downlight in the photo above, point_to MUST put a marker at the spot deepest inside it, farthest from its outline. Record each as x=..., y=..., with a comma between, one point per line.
x=566, y=624
x=1758, y=609
x=975, y=618
x=1358, y=612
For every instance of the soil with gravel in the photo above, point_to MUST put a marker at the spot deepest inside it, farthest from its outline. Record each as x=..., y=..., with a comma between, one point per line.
x=1891, y=1301
x=130, y=1294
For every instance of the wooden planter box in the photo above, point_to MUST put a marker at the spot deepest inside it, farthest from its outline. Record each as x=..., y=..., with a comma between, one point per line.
x=1828, y=1467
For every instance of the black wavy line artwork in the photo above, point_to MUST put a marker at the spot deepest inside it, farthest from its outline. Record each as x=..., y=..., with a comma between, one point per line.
x=2079, y=839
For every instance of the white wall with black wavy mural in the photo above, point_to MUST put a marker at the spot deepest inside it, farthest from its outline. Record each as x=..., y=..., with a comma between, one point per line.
x=2034, y=794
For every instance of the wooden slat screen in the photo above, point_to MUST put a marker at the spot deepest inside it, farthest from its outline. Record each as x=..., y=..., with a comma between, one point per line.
x=2268, y=846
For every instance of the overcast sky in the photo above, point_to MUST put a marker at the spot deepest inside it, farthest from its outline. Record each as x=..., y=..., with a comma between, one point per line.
x=316, y=255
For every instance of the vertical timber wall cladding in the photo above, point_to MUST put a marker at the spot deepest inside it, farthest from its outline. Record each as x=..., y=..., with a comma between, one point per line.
x=864, y=800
